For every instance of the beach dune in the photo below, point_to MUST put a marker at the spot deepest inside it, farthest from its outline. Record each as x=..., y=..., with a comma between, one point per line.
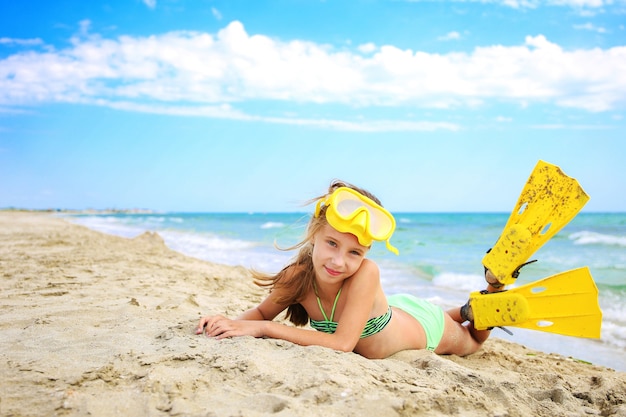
x=94, y=324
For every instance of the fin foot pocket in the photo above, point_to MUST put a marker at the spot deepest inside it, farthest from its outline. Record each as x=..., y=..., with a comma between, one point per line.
x=498, y=309
x=565, y=303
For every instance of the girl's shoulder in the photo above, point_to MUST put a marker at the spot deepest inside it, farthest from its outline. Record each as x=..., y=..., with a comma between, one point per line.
x=368, y=272
x=369, y=267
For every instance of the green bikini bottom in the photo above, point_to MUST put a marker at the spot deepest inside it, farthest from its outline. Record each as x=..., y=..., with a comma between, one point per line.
x=429, y=315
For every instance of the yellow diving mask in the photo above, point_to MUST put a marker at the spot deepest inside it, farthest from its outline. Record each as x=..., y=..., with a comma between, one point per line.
x=349, y=211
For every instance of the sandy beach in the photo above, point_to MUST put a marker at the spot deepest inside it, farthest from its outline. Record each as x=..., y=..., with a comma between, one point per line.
x=94, y=324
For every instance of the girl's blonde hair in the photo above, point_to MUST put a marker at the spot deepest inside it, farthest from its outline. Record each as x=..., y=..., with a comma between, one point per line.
x=297, y=279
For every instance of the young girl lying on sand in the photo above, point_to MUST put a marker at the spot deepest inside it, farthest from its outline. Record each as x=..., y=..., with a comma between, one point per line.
x=337, y=290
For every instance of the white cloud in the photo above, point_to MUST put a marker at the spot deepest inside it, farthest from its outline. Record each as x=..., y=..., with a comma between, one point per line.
x=84, y=26
x=450, y=36
x=581, y=3
x=216, y=13
x=533, y=4
x=227, y=112
x=21, y=42
x=519, y=4
x=367, y=48
x=558, y=126
x=590, y=27
x=13, y=110
x=150, y=3
x=209, y=75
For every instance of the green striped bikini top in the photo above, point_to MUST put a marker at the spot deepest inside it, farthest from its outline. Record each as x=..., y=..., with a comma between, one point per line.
x=373, y=325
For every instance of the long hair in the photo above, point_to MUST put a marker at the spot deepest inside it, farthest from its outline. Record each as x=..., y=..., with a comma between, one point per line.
x=297, y=278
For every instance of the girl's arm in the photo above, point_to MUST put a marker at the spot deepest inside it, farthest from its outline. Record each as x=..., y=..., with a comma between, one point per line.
x=267, y=310
x=222, y=327
x=360, y=293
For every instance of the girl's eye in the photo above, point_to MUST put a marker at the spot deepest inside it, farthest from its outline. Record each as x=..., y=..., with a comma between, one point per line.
x=332, y=243
x=357, y=253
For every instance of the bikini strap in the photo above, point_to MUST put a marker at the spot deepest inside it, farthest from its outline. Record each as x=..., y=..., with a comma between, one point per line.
x=319, y=303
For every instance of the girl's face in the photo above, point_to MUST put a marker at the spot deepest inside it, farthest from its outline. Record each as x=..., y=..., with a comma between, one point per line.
x=336, y=255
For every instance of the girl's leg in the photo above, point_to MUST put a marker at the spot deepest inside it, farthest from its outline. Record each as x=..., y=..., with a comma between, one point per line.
x=459, y=339
x=462, y=339
x=478, y=335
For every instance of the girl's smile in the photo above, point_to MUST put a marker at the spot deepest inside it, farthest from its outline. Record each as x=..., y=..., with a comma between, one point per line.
x=332, y=271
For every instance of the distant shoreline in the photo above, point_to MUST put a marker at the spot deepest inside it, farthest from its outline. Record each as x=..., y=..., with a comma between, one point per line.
x=84, y=211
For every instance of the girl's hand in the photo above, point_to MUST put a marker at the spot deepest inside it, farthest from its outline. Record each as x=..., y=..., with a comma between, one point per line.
x=221, y=327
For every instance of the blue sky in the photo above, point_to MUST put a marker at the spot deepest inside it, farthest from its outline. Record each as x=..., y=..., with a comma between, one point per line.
x=257, y=105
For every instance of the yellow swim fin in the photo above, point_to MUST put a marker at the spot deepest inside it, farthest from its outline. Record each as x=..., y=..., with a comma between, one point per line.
x=549, y=200
x=566, y=303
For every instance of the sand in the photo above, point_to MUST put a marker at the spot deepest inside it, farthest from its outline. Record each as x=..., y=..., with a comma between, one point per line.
x=101, y=325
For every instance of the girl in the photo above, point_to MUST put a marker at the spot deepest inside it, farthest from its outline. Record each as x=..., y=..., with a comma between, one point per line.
x=337, y=290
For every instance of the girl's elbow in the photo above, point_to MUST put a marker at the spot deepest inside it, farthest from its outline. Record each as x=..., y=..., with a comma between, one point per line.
x=345, y=349
x=254, y=314
x=345, y=345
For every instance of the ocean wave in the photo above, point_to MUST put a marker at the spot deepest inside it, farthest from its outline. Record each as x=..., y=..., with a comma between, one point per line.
x=225, y=251
x=206, y=246
x=109, y=225
x=594, y=238
x=613, y=322
x=458, y=281
x=614, y=335
x=272, y=225
x=192, y=242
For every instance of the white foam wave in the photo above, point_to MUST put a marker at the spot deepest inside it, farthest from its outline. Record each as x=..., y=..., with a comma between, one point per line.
x=108, y=225
x=205, y=246
x=225, y=251
x=272, y=225
x=186, y=242
x=613, y=334
x=593, y=238
x=460, y=282
x=613, y=319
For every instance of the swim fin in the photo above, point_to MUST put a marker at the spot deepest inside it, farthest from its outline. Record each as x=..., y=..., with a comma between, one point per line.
x=549, y=200
x=566, y=303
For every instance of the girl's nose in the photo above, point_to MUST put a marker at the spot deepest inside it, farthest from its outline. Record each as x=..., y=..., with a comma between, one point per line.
x=338, y=260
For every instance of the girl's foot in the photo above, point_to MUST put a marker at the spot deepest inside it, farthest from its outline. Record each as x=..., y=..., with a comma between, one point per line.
x=493, y=285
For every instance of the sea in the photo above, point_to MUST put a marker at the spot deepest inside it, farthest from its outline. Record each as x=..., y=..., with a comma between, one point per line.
x=440, y=259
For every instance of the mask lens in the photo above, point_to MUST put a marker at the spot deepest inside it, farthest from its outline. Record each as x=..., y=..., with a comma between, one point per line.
x=346, y=204
x=380, y=225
